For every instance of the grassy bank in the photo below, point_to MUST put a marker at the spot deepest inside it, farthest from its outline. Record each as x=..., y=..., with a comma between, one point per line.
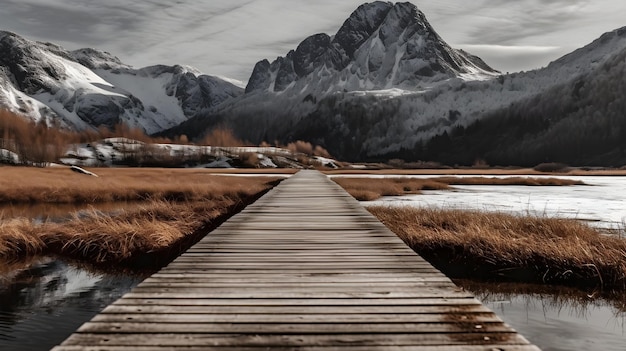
x=61, y=185
x=369, y=189
x=183, y=206
x=501, y=247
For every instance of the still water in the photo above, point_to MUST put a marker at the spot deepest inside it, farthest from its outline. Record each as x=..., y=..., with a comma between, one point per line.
x=43, y=305
x=557, y=318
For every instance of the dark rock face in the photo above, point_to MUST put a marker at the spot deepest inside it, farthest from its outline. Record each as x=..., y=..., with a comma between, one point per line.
x=16, y=55
x=311, y=53
x=260, y=78
x=361, y=25
x=94, y=59
x=382, y=45
x=100, y=112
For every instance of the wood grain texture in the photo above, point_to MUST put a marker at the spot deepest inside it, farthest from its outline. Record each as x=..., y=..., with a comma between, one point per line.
x=304, y=268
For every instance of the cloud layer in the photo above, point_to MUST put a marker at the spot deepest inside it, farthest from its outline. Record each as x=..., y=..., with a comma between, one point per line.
x=227, y=37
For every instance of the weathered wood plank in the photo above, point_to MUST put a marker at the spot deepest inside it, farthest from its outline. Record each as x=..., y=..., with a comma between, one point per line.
x=317, y=309
x=204, y=293
x=442, y=301
x=484, y=347
x=294, y=328
x=302, y=318
x=245, y=340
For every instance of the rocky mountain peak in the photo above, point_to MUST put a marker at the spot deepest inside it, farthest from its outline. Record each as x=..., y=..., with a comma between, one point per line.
x=361, y=24
x=380, y=46
x=96, y=59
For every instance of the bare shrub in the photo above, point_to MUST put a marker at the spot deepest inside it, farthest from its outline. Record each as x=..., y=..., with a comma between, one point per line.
x=250, y=159
x=221, y=137
x=552, y=167
x=302, y=147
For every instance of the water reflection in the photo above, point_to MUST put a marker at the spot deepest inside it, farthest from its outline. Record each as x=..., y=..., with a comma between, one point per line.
x=556, y=318
x=42, y=305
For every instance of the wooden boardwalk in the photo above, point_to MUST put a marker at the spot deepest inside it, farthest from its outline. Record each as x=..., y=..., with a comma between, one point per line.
x=306, y=267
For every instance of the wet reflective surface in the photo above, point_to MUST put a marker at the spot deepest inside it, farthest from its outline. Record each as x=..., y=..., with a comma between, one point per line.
x=557, y=319
x=43, y=305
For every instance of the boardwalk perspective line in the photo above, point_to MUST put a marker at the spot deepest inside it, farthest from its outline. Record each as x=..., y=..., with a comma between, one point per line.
x=306, y=267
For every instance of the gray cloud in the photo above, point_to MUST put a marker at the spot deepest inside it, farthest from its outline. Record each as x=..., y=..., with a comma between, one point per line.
x=524, y=19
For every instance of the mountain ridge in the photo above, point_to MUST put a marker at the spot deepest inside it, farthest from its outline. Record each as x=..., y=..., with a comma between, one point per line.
x=87, y=88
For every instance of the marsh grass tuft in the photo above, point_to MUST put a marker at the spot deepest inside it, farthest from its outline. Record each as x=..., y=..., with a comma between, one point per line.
x=497, y=246
x=182, y=206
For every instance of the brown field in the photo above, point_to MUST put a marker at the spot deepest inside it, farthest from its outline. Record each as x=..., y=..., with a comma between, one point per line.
x=181, y=207
x=369, y=189
x=61, y=185
x=495, y=246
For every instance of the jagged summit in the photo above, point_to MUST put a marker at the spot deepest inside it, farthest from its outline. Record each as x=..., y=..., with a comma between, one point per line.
x=380, y=46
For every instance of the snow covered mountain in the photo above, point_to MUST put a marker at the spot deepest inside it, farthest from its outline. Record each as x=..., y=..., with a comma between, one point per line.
x=386, y=85
x=380, y=46
x=87, y=88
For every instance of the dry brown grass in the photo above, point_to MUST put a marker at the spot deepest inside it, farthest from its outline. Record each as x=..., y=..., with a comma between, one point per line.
x=163, y=225
x=60, y=185
x=526, y=181
x=496, y=246
x=369, y=189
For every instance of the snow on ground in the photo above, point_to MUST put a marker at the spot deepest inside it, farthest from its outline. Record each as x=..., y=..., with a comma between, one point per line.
x=110, y=151
x=326, y=162
x=7, y=156
x=152, y=93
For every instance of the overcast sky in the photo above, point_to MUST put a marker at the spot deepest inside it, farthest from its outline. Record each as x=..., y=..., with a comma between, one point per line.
x=227, y=37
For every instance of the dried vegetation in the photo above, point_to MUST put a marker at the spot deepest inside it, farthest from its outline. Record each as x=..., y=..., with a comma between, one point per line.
x=497, y=246
x=179, y=207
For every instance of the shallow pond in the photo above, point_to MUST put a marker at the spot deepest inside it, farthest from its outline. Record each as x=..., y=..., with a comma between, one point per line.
x=41, y=306
x=557, y=319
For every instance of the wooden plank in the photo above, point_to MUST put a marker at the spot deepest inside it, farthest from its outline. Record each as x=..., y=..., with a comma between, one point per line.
x=253, y=279
x=302, y=318
x=306, y=267
x=317, y=309
x=490, y=347
x=440, y=301
x=272, y=341
x=293, y=328
x=316, y=287
x=258, y=293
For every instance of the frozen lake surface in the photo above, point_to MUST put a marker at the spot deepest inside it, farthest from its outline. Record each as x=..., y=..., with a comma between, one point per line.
x=601, y=202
